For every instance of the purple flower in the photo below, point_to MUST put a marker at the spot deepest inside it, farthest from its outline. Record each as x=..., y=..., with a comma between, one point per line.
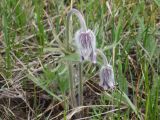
x=86, y=44
x=107, y=77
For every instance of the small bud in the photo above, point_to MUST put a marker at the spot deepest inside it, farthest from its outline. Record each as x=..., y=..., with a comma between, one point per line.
x=86, y=44
x=107, y=77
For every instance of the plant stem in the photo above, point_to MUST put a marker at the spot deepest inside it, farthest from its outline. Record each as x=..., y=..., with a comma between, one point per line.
x=83, y=28
x=72, y=91
x=80, y=94
x=80, y=84
x=105, y=61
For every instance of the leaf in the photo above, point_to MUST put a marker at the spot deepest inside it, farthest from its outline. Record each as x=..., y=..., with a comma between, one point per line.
x=130, y=104
x=49, y=49
x=71, y=57
x=157, y=2
x=36, y=81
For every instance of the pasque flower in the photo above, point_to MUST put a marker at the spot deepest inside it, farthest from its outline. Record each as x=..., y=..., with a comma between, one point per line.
x=106, y=73
x=86, y=44
x=84, y=38
x=106, y=77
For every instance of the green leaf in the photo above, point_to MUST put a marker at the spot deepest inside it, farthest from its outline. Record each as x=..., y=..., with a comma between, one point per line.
x=37, y=82
x=72, y=57
x=157, y=2
x=130, y=104
x=49, y=49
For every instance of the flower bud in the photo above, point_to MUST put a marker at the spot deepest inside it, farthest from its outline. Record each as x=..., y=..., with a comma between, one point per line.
x=107, y=77
x=86, y=44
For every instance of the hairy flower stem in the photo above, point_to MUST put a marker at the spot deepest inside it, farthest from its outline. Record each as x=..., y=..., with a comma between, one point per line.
x=71, y=82
x=105, y=61
x=80, y=94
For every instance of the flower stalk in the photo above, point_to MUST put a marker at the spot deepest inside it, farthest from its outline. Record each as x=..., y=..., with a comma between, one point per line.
x=80, y=85
x=71, y=82
x=72, y=79
x=105, y=61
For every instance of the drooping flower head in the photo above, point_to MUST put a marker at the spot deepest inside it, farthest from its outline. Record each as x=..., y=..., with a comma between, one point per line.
x=106, y=73
x=107, y=77
x=86, y=44
x=84, y=38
